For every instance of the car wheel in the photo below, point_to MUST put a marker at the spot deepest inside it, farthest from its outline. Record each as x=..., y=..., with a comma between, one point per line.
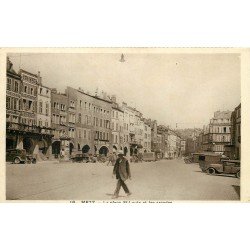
x=237, y=175
x=17, y=160
x=211, y=171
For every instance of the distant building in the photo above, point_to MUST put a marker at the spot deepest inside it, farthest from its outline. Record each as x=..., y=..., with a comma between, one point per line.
x=23, y=130
x=183, y=147
x=59, y=123
x=147, y=138
x=117, y=123
x=89, y=122
x=236, y=132
x=218, y=133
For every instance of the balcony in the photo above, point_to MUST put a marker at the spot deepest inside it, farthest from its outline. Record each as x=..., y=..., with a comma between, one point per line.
x=23, y=128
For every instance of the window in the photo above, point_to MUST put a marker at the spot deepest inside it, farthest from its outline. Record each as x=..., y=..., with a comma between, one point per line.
x=40, y=123
x=80, y=103
x=15, y=104
x=47, y=109
x=25, y=89
x=116, y=127
x=100, y=135
x=16, y=86
x=112, y=125
x=53, y=118
x=54, y=105
x=224, y=129
x=89, y=135
x=100, y=122
x=79, y=118
x=46, y=124
x=40, y=107
x=113, y=114
x=40, y=89
x=8, y=102
x=116, y=114
x=8, y=84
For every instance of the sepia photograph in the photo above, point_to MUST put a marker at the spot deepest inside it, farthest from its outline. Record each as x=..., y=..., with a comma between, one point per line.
x=123, y=125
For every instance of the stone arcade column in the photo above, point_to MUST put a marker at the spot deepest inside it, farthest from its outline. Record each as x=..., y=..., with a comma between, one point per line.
x=19, y=144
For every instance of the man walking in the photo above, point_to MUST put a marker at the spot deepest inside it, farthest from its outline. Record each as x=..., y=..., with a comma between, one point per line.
x=122, y=172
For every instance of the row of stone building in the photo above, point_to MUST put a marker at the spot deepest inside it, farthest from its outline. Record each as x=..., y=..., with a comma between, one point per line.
x=222, y=135
x=47, y=123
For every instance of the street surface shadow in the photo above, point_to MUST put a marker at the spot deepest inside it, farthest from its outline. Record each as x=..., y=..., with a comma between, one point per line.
x=224, y=175
x=118, y=196
x=237, y=189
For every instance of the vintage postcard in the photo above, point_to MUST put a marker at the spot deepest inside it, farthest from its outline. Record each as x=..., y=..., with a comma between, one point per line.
x=124, y=125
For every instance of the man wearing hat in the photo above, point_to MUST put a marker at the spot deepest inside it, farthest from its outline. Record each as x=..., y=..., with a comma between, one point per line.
x=122, y=172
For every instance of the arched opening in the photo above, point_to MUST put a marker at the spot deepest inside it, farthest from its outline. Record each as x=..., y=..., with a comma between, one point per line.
x=85, y=149
x=28, y=145
x=120, y=148
x=10, y=143
x=43, y=146
x=103, y=150
x=114, y=148
x=125, y=150
x=56, y=147
x=71, y=147
x=131, y=151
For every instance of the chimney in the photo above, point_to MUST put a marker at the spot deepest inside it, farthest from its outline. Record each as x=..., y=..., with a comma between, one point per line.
x=113, y=98
x=39, y=78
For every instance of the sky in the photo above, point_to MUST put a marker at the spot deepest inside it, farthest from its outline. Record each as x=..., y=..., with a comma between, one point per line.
x=172, y=88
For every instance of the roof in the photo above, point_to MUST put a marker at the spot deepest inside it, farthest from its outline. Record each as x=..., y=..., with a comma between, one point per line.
x=27, y=72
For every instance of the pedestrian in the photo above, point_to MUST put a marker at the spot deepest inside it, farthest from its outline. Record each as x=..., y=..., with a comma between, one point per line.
x=122, y=172
x=110, y=159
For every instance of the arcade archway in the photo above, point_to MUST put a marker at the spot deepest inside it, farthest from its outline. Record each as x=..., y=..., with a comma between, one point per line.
x=103, y=150
x=125, y=150
x=10, y=143
x=71, y=147
x=28, y=145
x=85, y=149
x=56, y=147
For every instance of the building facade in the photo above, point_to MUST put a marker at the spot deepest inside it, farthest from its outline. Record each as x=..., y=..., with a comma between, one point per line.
x=13, y=107
x=236, y=132
x=89, y=122
x=22, y=127
x=117, y=126
x=59, y=124
x=218, y=133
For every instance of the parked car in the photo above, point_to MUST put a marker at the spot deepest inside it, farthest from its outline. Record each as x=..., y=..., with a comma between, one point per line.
x=208, y=158
x=149, y=156
x=80, y=157
x=18, y=156
x=225, y=167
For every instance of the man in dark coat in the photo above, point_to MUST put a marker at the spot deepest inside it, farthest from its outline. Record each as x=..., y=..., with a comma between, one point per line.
x=122, y=172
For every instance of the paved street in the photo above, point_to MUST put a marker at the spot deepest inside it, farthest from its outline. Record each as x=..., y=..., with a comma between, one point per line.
x=162, y=180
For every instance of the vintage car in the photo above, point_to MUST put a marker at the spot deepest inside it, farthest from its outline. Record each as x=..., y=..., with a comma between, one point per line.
x=208, y=158
x=149, y=156
x=79, y=157
x=231, y=167
x=18, y=156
